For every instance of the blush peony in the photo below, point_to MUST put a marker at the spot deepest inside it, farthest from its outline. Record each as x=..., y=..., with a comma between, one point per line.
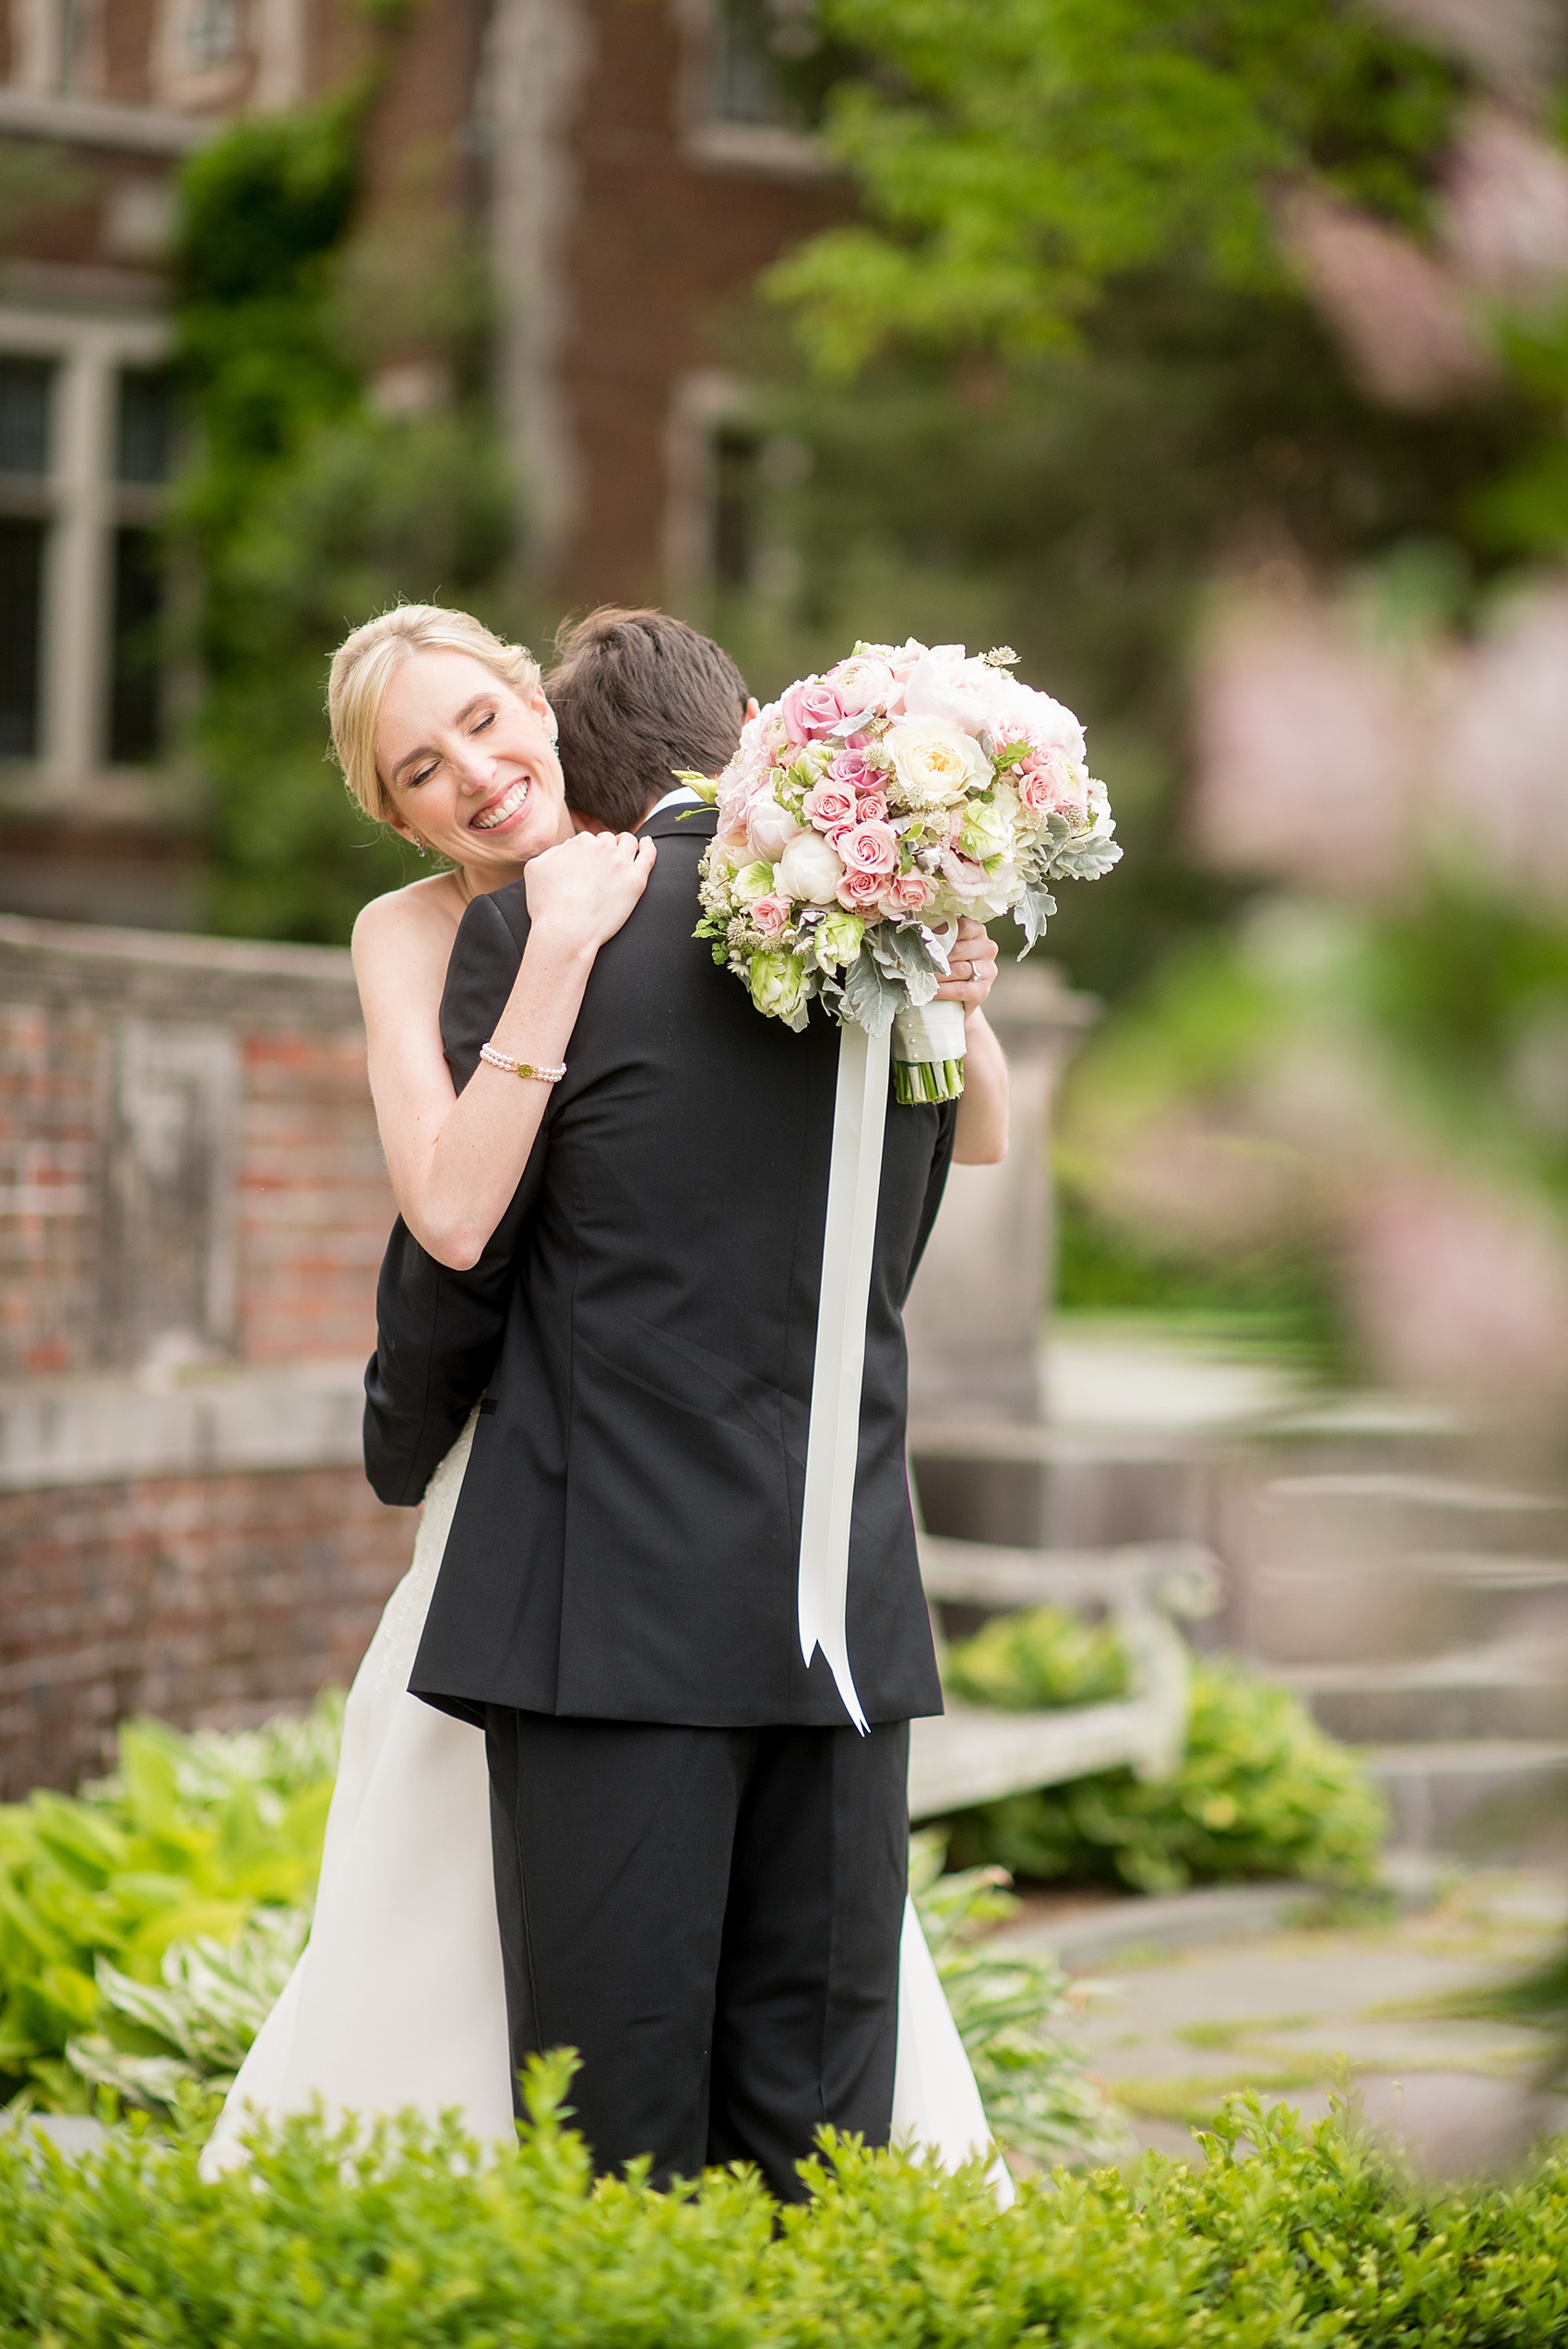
x=808, y=872
x=770, y=829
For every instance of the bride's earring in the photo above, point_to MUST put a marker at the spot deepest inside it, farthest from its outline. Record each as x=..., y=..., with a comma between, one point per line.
x=416, y=844
x=552, y=728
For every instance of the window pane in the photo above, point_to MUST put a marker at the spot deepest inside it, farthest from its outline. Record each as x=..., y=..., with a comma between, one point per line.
x=212, y=32
x=24, y=414
x=135, y=691
x=734, y=506
x=144, y=440
x=22, y=577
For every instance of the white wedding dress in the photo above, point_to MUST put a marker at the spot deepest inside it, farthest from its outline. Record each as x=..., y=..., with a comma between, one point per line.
x=399, y=1999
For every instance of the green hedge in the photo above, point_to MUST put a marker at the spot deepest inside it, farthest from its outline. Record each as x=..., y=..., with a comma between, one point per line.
x=1261, y=1790
x=1286, y=2237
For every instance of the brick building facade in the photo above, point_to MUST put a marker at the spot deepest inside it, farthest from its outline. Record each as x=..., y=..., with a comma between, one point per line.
x=616, y=158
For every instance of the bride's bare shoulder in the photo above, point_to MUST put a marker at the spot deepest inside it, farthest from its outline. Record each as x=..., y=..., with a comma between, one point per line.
x=406, y=935
x=428, y=909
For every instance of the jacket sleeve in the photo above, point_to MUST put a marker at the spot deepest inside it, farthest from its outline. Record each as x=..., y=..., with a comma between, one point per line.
x=438, y=1333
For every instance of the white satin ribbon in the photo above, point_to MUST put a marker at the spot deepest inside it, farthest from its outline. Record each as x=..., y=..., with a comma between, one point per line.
x=833, y=1437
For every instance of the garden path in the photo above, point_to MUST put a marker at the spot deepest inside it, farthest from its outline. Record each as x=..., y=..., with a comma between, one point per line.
x=1172, y=2031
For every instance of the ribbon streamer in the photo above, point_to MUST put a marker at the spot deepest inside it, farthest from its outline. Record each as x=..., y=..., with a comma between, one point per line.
x=833, y=1439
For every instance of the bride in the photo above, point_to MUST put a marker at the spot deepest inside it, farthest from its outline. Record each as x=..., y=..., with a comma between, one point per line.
x=399, y=1999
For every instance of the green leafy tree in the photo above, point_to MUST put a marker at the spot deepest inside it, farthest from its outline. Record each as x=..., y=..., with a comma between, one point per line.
x=1015, y=158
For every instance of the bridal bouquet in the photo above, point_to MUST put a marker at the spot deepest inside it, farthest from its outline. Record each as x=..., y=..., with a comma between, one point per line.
x=867, y=810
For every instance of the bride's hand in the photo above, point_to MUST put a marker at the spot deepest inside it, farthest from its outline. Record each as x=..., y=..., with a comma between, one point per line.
x=584, y=889
x=971, y=964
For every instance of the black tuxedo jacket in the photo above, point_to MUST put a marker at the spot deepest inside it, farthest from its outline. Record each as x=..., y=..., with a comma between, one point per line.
x=643, y=1328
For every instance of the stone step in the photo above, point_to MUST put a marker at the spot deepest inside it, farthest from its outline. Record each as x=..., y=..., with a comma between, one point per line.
x=1482, y=1595
x=1338, y=1563
x=1508, y=1690
x=1035, y=1487
x=1487, y=1798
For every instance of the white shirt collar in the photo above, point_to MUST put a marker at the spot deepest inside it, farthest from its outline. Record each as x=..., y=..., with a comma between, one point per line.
x=683, y=795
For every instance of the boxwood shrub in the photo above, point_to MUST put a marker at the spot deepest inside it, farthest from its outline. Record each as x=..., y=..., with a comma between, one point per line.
x=1285, y=2238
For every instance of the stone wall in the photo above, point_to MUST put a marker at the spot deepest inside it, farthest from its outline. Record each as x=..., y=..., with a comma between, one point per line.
x=192, y=1207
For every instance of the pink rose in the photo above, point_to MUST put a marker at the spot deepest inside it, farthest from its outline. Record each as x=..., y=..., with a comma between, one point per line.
x=1046, y=782
x=770, y=916
x=870, y=847
x=907, y=893
x=810, y=709
x=873, y=807
x=828, y=806
x=849, y=770
x=859, y=892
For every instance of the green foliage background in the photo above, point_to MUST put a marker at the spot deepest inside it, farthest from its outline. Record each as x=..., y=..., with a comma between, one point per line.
x=1261, y=1790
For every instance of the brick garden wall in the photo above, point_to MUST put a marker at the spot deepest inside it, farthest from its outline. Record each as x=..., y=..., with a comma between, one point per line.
x=193, y=1203
x=218, y=1599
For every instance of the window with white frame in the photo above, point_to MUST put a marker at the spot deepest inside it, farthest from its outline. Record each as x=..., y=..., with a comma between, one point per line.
x=87, y=444
x=760, y=57
x=54, y=45
x=213, y=33
x=756, y=74
x=728, y=480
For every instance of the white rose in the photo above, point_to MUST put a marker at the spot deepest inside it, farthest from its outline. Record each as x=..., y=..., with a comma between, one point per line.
x=809, y=870
x=936, y=763
x=770, y=829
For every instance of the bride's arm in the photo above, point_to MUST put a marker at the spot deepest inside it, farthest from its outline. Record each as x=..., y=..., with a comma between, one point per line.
x=455, y=1160
x=980, y=1137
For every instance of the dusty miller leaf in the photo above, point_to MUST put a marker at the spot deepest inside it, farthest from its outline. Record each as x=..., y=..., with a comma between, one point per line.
x=873, y=1000
x=904, y=956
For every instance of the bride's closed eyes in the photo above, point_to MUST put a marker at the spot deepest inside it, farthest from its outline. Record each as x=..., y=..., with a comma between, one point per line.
x=486, y=717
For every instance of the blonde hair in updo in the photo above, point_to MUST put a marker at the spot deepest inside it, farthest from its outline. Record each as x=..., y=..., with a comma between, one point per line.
x=365, y=663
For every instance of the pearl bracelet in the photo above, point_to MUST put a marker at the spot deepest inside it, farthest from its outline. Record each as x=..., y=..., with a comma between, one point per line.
x=520, y=1068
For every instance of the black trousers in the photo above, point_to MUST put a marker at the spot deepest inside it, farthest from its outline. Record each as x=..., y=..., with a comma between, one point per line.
x=711, y=1918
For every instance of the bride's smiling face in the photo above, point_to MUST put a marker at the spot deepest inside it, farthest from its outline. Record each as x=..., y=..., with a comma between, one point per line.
x=467, y=765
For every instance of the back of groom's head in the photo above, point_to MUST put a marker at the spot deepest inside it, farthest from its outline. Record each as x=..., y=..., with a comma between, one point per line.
x=639, y=694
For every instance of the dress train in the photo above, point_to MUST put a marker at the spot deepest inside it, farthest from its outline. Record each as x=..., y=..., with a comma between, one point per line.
x=399, y=1999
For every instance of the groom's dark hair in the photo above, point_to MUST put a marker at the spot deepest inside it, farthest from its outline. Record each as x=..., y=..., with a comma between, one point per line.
x=639, y=694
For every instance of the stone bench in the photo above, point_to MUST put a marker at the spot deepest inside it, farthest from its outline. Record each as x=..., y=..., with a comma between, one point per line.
x=971, y=1756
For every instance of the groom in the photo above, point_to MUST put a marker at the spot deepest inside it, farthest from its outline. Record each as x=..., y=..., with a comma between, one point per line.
x=699, y=1863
